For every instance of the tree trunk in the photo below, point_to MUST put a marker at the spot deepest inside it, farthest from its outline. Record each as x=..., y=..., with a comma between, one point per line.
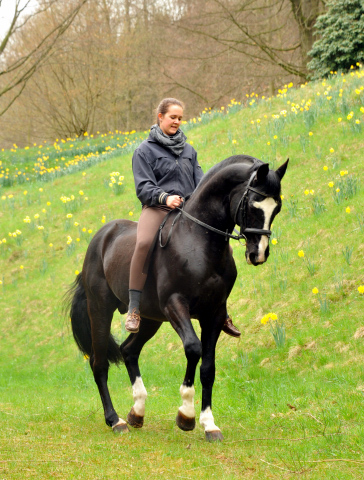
x=305, y=13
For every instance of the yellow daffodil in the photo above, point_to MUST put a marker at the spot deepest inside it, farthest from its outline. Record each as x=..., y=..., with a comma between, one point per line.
x=268, y=317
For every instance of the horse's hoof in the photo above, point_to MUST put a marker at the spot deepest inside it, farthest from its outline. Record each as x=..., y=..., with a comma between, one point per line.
x=134, y=420
x=120, y=427
x=185, y=423
x=214, y=436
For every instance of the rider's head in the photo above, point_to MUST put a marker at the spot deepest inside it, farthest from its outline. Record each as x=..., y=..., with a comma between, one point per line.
x=169, y=115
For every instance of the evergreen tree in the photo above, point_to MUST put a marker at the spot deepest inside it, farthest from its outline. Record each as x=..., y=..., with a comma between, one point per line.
x=341, y=42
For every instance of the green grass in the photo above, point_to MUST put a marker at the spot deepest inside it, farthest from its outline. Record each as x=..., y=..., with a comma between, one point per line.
x=294, y=411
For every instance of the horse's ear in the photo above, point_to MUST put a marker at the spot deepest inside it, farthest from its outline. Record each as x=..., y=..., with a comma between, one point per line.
x=262, y=172
x=282, y=169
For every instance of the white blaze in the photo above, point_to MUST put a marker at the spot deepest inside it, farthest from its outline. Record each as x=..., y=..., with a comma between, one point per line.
x=207, y=421
x=139, y=395
x=267, y=205
x=187, y=394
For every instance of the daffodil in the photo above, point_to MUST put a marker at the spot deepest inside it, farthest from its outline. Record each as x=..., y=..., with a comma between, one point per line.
x=315, y=291
x=301, y=253
x=268, y=317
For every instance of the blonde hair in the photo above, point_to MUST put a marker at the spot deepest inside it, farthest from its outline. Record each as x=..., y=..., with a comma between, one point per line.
x=165, y=104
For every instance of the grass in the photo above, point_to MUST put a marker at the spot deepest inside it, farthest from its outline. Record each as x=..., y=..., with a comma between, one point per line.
x=285, y=412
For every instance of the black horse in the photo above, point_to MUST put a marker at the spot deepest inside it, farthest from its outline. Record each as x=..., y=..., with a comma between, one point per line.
x=191, y=277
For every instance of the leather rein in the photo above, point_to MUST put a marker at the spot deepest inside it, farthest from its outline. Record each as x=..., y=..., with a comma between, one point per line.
x=241, y=208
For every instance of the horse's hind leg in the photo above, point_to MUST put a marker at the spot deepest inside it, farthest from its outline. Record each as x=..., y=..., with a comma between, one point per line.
x=210, y=331
x=130, y=351
x=101, y=317
x=179, y=316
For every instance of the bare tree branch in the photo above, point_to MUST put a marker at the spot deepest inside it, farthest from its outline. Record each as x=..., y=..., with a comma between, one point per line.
x=25, y=67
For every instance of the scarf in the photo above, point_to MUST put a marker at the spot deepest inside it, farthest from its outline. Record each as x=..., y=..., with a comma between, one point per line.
x=175, y=143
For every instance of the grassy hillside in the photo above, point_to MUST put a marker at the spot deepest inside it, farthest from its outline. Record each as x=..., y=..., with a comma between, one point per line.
x=287, y=411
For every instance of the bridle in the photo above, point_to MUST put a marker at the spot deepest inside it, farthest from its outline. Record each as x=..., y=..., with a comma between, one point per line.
x=240, y=210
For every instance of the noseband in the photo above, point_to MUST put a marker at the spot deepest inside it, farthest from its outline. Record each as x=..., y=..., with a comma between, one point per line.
x=241, y=209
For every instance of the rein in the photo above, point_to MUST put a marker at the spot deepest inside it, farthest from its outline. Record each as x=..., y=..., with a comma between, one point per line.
x=241, y=208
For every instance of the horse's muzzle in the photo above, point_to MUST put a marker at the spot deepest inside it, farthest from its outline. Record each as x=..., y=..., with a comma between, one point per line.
x=256, y=256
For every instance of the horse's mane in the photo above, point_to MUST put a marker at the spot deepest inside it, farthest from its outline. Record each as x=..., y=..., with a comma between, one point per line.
x=241, y=159
x=272, y=181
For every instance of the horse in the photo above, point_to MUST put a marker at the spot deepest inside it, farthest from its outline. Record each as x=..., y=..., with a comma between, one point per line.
x=191, y=277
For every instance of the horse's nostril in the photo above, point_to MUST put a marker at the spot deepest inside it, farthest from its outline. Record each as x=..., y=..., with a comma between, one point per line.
x=253, y=258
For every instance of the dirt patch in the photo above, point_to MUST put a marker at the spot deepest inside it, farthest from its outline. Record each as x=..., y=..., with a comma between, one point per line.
x=311, y=345
x=359, y=333
x=265, y=361
x=294, y=352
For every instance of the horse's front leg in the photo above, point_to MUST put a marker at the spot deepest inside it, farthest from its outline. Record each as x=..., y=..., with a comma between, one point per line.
x=209, y=335
x=178, y=314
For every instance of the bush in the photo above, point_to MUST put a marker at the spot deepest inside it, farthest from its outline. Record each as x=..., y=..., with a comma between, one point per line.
x=341, y=42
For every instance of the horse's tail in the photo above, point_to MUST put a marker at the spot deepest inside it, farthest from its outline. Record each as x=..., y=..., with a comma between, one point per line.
x=81, y=325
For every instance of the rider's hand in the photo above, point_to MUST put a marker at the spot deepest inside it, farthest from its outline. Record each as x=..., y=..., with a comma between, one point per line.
x=174, y=201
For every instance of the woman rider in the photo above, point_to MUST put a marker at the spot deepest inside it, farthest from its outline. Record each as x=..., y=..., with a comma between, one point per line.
x=165, y=170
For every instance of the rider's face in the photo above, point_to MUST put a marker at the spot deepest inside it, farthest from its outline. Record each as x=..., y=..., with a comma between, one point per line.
x=171, y=120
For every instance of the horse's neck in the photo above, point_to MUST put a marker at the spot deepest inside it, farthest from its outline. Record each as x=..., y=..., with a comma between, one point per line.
x=210, y=202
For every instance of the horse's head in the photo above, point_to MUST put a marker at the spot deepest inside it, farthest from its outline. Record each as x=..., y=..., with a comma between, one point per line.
x=254, y=206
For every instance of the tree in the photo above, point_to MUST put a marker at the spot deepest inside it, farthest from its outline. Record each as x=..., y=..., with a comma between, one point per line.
x=265, y=33
x=16, y=70
x=305, y=13
x=341, y=42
